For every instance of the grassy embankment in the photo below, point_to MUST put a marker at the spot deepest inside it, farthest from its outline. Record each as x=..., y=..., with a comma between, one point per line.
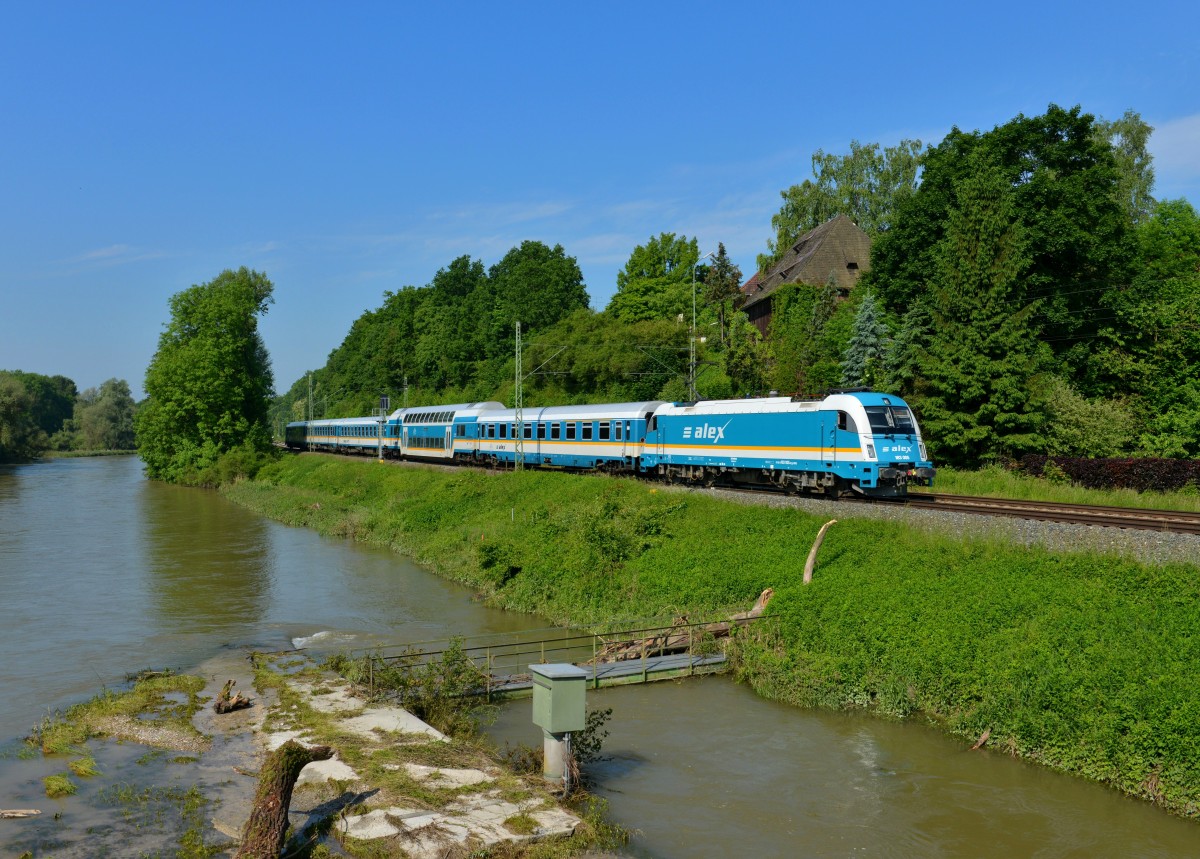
x=997, y=482
x=1085, y=663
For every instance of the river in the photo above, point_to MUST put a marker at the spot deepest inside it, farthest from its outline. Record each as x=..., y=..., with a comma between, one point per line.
x=104, y=572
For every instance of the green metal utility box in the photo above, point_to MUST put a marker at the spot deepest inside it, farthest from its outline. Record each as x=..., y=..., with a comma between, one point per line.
x=558, y=697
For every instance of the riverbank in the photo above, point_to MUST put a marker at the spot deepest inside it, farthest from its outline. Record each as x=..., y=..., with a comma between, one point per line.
x=394, y=785
x=1084, y=662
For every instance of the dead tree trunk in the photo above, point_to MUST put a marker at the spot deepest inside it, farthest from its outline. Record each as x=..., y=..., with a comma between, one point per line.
x=267, y=827
x=812, y=553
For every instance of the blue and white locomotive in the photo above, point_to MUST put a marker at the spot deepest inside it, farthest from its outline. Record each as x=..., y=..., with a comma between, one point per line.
x=853, y=441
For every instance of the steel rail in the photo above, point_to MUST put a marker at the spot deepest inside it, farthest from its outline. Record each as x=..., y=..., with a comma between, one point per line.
x=1133, y=518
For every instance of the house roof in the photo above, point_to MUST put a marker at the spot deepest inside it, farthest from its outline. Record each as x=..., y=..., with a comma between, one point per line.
x=837, y=249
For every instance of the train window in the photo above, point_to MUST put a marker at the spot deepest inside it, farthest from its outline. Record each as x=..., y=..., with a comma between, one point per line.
x=652, y=425
x=541, y=430
x=512, y=430
x=605, y=430
x=461, y=431
x=845, y=422
x=587, y=431
x=528, y=430
x=571, y=427
x=617, y=434
x=555, y=430
x=503, y=430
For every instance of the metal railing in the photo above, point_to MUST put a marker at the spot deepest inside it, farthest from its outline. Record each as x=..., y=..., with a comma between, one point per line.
x=504, y=663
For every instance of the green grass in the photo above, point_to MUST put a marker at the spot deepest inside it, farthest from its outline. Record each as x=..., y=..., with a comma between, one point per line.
x=1086, y=663
x=997, y=482
x=167, y=699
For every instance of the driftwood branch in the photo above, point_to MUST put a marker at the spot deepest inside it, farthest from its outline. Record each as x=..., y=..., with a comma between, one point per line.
x=812, y=553
x=15, y=813
x=266, y=829
x=228, y=700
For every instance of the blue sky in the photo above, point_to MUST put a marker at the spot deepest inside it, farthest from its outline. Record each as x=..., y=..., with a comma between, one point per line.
x=349, y=149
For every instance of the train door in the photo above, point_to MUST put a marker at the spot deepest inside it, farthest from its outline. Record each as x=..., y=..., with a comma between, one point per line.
x=449, y=442
x=404, y=442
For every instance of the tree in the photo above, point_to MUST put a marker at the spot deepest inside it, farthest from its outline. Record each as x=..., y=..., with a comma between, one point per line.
x=1127, y=138
x=104, y=417
x=208, y=385
x=656, y=281
x=1149, y=350
x=745, y=357
x=536, y=285
x=723, y=287
x=19, y=435
x=978, y=372
x=866, y=186
x=862, y=361
x=1062, y=180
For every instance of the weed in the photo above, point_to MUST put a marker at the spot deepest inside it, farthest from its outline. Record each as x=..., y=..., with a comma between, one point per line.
x=522, y=824
x=58, y=785
x=84, y=767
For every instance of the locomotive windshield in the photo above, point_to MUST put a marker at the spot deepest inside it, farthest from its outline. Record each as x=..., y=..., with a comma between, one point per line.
x=890, y=419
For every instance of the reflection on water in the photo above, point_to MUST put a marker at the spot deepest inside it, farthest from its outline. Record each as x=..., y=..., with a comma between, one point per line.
x=209, y=563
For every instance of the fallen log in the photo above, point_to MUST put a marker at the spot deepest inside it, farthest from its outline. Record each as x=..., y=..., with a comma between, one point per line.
x=15, y=813
x=228, y=700
x=266, y=829
x=680, y=637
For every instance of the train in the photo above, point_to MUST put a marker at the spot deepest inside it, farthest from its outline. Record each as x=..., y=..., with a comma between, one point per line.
x=849, y=442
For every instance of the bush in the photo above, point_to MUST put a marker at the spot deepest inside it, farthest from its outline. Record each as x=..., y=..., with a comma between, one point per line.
x=1141, y=474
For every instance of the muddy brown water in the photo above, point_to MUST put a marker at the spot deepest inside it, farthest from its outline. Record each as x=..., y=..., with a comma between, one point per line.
x=103, y=572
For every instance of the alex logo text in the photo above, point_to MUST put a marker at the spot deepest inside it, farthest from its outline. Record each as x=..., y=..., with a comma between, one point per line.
x=705, y=432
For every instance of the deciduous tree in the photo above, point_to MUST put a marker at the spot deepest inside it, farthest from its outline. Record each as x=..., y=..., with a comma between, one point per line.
x=656, y=281
x=866, y=185
x=978, y=373
x=208, y=385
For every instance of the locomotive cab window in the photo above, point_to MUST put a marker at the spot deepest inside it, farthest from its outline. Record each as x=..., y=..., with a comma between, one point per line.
x=845, y=422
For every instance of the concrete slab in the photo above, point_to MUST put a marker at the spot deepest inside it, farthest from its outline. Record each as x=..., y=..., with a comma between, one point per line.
x=393, y=720
x=441, y=777
x=319, y=772
x=369, y=826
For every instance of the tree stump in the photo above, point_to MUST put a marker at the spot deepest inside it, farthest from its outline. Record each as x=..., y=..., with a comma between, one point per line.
x=267, y=827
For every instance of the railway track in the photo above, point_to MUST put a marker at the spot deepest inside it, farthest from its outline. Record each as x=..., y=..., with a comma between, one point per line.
x=1171, y=521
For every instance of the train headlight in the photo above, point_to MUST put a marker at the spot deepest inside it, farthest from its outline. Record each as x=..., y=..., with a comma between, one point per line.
x=871, y=451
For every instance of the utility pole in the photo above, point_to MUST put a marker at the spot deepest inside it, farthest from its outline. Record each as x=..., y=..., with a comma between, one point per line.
x=310, y=404
x=519, y=441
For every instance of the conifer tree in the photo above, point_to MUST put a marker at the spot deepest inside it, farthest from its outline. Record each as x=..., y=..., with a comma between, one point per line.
x=983, y=352
x=862, y=360
x=723, y=287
